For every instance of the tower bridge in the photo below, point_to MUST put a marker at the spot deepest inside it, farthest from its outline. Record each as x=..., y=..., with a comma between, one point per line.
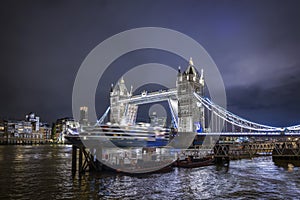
x=191, y=111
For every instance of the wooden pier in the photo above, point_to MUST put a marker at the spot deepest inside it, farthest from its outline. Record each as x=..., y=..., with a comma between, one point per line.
x=83, y=160
x=286, y=150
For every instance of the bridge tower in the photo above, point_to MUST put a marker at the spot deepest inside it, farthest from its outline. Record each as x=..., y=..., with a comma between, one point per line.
x=117, y=93
x=190, y=112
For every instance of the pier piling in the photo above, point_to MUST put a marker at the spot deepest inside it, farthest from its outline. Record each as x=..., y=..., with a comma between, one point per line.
x=80, y=168
x=74, y=159
x=83, y=160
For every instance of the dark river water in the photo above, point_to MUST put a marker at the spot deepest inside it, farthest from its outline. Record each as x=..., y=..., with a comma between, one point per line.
x=44, y=172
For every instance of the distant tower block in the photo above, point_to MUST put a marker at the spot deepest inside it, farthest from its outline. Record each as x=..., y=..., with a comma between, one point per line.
x=83, y=115
x=35, y=120
x=118, y=110
x=190, y=114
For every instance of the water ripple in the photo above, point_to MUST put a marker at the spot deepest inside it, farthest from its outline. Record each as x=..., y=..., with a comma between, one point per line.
x=44, y=172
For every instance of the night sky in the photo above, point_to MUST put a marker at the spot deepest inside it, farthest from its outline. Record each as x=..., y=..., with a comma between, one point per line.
x=255, y=44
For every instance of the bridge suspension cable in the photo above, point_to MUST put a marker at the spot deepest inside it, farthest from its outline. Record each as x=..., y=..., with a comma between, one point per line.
x=293, y=128
x=174, y=110
x=234, y=119
x=103, y=117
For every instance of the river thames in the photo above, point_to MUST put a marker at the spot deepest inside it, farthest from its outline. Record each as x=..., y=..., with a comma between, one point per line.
x=44, y=172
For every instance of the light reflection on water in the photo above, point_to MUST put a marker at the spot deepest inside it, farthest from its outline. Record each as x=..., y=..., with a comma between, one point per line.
x=44, y=172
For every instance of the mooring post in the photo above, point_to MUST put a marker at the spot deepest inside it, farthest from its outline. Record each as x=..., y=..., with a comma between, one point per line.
x=74, y=158
x=80, y=161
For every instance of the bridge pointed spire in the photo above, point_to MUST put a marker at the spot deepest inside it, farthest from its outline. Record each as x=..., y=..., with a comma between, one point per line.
x=122, y=80
x=202, y=78
x=191, y=68
x=191, y=61
x=112, y=87
x=179, y=70
x=131, y=89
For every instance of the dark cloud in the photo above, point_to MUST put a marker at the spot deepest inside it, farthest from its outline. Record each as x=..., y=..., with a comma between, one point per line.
x=277, y=105
x=255, y=44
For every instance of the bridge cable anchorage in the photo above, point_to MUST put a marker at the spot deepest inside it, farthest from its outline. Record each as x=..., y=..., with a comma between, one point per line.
x=234, y=119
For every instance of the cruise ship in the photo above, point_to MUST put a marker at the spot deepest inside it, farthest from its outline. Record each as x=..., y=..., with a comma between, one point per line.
x=139, y=135
x=123, y=130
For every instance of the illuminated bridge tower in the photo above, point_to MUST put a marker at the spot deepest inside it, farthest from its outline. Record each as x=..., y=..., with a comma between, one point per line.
x=121, y=113
x=190, y=113
x=117, y=110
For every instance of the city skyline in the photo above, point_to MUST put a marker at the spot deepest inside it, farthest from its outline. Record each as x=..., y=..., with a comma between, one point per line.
x=254, y=44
